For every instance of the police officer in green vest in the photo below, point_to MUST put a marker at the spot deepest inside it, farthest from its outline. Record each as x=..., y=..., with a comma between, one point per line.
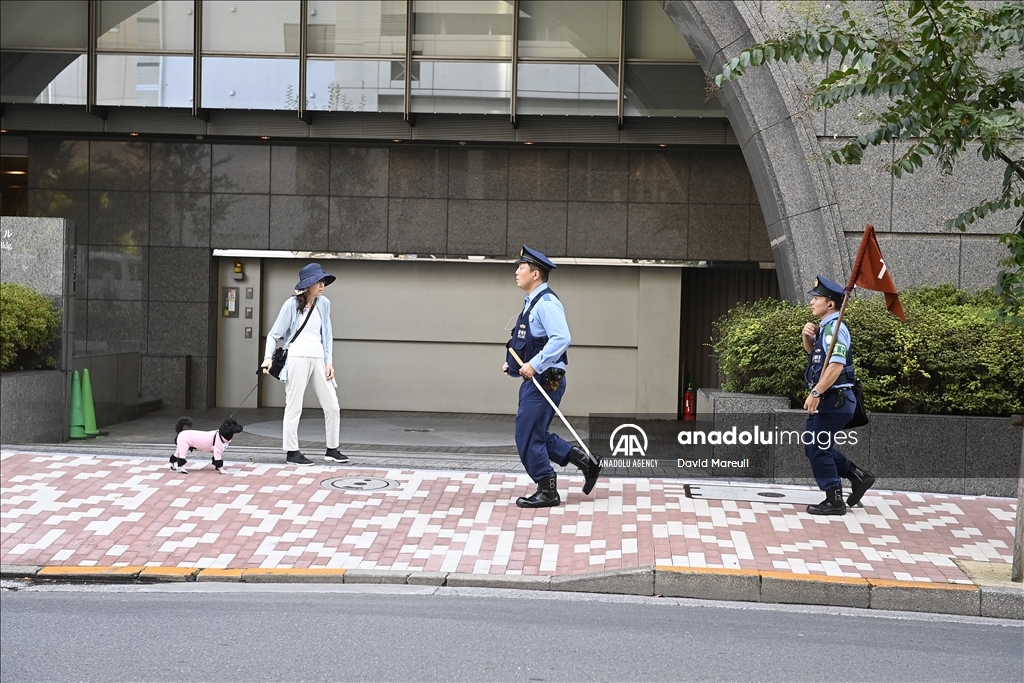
x=831, y=401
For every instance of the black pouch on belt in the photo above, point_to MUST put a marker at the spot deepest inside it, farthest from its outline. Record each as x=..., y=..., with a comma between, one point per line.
x=552, y=377
x=840, y=399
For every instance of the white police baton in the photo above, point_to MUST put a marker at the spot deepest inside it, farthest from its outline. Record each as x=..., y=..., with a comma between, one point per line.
x=557, y=411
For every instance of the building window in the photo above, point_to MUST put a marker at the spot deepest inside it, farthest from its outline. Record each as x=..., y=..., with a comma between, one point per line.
x=650, y=34
x=248, y=27
x=356, y=28
x=462, y=29
x=43, y=78
x=250, y=83
x=463, y=88
x=14, y=174
x=569, y=29
x=165, y=25
x=353, y=85
x=62, y=24
x=143, y=80
x=669, y=90
x=570, y=89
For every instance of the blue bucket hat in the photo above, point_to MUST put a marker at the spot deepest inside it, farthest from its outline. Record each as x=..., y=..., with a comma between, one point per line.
x=536, y=258
x=312, y=274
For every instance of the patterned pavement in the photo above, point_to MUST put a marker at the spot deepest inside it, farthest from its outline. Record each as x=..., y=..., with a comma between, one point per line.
x=75, y=510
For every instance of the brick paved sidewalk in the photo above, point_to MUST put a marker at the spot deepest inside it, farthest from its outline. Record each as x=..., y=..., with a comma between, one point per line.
x=75, y=510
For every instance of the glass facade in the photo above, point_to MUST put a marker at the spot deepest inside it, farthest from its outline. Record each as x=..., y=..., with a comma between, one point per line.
x=558, y=57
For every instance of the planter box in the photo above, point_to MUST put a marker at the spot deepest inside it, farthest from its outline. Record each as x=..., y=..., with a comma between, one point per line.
x=931, y=453
x=34, y=406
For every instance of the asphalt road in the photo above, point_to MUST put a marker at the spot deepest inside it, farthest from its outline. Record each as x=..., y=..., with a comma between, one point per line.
x=238, y=632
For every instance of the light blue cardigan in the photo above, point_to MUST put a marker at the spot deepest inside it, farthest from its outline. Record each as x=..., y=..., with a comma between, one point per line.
x=289, y=319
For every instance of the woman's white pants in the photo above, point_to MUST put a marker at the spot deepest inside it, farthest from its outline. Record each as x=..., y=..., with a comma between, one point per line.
x=302, y=371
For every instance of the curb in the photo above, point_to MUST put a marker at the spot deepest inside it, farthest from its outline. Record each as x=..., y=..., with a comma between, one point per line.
x=661, y=581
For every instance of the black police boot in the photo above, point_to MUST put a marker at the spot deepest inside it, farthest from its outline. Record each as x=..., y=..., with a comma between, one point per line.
x=860, y=482
x=590, y=468
x=832, y=505
x=545, y=497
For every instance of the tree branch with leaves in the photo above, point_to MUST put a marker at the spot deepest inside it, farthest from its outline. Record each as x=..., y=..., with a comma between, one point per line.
x=951, y=78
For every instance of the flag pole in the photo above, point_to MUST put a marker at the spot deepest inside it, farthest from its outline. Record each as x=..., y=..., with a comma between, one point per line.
x=849, y=290
x=835, y=330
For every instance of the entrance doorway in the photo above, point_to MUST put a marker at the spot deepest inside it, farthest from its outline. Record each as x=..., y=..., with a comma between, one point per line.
x=707, y=295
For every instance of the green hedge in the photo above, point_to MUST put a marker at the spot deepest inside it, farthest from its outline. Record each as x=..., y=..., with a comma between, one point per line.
x=28, y=327
x=950, y=357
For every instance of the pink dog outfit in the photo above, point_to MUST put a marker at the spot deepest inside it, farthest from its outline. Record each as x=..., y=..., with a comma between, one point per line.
x=194, y=440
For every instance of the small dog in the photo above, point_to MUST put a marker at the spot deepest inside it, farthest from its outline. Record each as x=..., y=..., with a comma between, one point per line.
x=188, y=440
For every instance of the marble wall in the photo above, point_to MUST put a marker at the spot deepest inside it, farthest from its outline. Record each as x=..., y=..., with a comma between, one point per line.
x=149, y=214
x=815, y=214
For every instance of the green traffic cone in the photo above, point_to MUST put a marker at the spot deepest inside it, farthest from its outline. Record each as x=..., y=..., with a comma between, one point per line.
x=77, y=417
x=88, y=409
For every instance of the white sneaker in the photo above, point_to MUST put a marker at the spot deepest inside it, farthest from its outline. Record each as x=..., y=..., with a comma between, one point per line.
x=222, y=470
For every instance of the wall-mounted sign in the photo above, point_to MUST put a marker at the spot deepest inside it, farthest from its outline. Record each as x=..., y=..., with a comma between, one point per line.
x=229, y=302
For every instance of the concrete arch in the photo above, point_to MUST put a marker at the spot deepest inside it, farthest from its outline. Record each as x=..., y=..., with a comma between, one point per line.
x=778, y=139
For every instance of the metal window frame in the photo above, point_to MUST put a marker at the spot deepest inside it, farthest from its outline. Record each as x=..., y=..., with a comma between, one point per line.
x=515, y=65
x=304, y=114
x=92, y=19
x=407, y=107
x=620, y=103
x=197, y=62
x=154, y=53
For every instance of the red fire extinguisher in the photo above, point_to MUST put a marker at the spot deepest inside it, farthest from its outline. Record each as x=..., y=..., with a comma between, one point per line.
x=689, y=401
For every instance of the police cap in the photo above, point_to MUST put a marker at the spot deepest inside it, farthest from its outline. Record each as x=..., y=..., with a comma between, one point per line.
x=534, y=257
x=828, y=289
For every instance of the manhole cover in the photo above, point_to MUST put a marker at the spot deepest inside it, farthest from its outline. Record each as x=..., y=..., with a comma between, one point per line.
x=771, y=494
x=359, y=483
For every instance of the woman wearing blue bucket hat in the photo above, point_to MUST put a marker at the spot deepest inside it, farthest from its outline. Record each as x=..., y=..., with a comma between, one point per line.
x=304, y=324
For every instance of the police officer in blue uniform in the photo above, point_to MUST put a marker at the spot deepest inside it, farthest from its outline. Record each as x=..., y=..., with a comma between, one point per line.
x=541, y=339
x=831, y=402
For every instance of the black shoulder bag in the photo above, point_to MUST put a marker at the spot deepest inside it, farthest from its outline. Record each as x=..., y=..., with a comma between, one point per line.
x=280, y=356
x=860, y=416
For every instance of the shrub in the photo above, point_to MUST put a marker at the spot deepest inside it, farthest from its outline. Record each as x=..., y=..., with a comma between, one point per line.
x=950, y=357
x=28, y=326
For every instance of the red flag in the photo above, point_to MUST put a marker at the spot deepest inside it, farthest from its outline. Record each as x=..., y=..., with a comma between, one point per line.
x=870, y=272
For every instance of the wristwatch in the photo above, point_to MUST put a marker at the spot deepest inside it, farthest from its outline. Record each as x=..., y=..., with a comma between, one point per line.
x=815, y=393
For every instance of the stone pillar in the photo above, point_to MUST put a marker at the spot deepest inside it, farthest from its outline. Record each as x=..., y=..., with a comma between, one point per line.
x=40, y=253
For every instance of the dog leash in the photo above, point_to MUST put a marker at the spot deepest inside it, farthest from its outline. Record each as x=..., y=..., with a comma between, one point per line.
x=258, y=372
